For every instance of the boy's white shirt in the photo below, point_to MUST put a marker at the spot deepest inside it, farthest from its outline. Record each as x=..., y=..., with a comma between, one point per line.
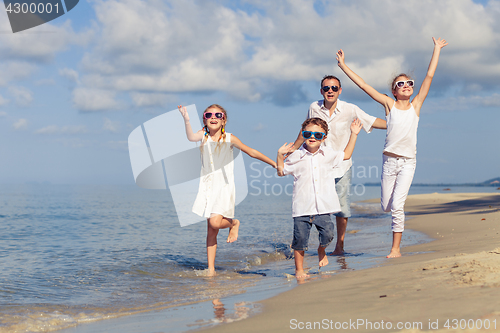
x=314, y=180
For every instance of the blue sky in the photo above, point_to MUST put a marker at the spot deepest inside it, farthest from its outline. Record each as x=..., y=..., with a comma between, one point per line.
x=72, y=90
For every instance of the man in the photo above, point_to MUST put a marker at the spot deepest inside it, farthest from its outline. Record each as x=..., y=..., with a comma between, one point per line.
x=339, y=116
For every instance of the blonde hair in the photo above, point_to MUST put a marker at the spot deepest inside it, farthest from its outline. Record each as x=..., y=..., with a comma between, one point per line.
x=205, y=128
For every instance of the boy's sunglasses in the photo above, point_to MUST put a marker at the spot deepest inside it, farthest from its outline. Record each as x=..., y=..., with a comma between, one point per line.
x=327, y=88
x=401, y=84
x=218, y=115
x=317, y=135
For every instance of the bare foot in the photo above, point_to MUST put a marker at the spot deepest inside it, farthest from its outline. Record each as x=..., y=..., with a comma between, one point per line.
x=233, y=231
x=211, y=272
x=301, y=275
x=339, y=250
x=323, y=259
x=394, y=254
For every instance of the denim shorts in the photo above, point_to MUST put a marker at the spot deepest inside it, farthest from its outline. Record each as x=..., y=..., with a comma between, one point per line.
x=302, y=228
x=343, y=188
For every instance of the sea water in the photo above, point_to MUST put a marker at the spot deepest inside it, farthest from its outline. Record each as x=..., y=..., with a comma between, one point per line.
x=71, y=255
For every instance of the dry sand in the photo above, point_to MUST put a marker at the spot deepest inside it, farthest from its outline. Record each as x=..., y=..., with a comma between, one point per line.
x=454, y=280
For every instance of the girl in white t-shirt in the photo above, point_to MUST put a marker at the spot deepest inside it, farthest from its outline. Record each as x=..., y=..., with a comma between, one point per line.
x=216, y=194
x=401, y=140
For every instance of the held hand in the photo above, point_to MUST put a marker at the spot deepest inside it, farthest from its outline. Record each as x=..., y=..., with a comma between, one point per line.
x=183, y=112
x=439, y=42
x=356, y=126
x=340, y=57
x=280, y=172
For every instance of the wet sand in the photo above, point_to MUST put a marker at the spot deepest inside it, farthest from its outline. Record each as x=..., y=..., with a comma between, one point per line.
x=454, y=280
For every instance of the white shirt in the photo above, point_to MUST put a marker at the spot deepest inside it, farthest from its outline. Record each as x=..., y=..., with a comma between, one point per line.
x=314, y=184
x=339, y=126
x=401, y=138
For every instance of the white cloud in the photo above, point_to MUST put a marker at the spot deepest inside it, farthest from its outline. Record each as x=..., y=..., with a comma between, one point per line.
x=150, y=49
x=39, y=44
x=74, y=142
x=45, y=82
x=3, y=101
x=14, y=70
x=259, y=127
x=54, y=129
x=20, y=124
x=86, y=99
x=21, y=53
x=462, y=103
x=111, y=126
x=69, y=74
x=491, y=101
x=149, y=99
x=22, y=95
x=117, y=145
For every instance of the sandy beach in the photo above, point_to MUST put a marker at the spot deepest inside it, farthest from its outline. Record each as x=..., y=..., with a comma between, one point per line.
x=451, y=283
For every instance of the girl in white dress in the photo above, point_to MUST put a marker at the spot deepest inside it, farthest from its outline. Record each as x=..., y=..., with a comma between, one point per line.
x=216, y=194
x=401, y=141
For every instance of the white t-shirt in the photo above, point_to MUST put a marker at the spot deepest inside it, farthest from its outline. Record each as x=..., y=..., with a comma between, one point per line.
x=339, y=126
x=401, y=138
x=314, y=184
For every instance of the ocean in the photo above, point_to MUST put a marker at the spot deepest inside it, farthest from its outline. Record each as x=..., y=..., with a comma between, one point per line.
x=71, y=255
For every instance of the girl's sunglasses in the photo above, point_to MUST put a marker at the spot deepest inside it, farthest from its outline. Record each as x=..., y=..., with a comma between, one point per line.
x=401, y=84
x=327, y=88
x=317, y=135
x=218, y=115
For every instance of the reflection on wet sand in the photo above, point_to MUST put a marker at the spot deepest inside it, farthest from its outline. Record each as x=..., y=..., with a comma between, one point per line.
x=241, y=311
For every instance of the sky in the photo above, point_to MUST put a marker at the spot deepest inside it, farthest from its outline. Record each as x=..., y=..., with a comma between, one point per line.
x=72, y=90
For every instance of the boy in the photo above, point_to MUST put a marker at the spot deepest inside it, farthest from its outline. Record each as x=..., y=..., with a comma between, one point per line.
x=314, y=195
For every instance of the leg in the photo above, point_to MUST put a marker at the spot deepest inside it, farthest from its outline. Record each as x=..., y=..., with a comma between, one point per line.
x=299, y=264
x=218, y=221
x=388, y=181
x=396, y=243
x=404, y=177
x=323, y=259
x=214, y=224
x=301, y=231
x=341, y=230
x=343, y=188
x=401, y=188
x=325, y=227
x=211, y=247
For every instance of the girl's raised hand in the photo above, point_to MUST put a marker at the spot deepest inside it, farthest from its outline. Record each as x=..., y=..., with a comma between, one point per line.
x=340, y=57
x=356, y=126
x=183, y=112
x=439, y=42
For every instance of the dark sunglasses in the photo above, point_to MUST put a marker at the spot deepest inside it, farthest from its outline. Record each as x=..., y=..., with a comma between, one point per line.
x=218, y=115
x=317, y=135
x=327, y=88
x=401, y=84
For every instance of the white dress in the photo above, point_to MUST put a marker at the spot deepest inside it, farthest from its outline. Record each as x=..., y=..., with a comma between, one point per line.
x=216, y=194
